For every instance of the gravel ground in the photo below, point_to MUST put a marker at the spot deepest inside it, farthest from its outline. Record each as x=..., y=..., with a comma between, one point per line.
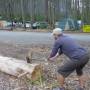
x=40, y=52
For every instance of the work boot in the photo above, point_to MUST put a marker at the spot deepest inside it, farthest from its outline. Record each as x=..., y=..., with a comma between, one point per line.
x=58, y=88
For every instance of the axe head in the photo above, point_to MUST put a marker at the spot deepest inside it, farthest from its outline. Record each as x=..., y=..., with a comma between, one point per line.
x=29, y=60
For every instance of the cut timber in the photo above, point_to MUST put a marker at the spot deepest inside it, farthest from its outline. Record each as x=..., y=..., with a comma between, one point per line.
x=19, y=68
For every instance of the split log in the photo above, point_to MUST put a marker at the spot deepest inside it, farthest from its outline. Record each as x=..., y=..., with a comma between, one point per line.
x=19, y=68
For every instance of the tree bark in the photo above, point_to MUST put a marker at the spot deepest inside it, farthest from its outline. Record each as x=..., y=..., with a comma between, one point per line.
x=19, y=68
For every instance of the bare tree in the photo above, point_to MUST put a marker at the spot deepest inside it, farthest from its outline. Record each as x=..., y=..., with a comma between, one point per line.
x=50, y=10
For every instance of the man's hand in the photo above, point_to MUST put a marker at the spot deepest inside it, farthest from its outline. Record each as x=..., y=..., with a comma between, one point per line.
x=53, y=58
x=50, y=61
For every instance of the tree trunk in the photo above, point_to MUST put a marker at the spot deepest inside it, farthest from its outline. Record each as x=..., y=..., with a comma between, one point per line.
x=19, y=68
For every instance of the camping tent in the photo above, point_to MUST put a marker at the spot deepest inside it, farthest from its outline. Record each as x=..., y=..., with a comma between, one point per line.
x=67, y=24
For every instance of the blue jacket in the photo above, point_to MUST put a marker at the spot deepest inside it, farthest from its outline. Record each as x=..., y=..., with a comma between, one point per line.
x=68, y=46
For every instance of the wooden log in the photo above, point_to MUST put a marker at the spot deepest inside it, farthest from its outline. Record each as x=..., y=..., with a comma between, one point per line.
x=19, y=68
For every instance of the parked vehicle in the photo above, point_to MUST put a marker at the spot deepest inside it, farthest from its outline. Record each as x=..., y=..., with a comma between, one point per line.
x=28, y=24
x=40, y=25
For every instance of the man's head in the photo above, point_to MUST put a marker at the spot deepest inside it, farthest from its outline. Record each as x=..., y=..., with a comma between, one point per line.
x=57, y=32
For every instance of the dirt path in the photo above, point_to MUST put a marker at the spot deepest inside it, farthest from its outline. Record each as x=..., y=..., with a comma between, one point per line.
x=20, y=52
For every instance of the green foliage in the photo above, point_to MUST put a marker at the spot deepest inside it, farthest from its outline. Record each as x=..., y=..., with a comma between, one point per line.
x=39, y=17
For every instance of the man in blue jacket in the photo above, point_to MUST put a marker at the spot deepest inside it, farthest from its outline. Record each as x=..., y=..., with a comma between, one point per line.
x=77, y=54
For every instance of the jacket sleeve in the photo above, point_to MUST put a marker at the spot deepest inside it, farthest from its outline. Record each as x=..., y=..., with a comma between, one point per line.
x=55, y=49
